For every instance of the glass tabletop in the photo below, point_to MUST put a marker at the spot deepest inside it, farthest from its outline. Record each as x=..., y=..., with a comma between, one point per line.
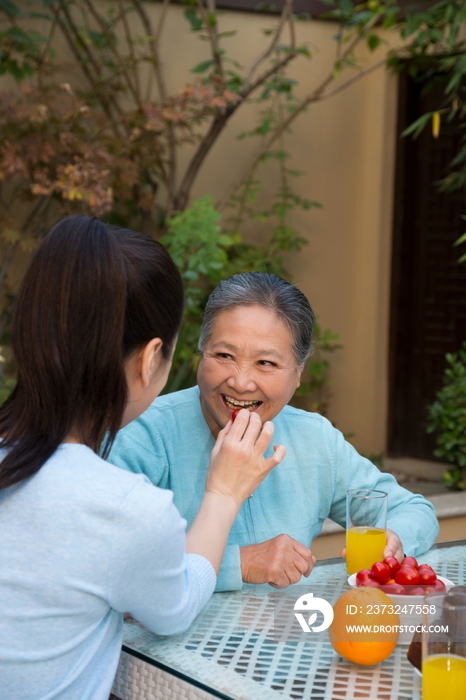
x=235, y=651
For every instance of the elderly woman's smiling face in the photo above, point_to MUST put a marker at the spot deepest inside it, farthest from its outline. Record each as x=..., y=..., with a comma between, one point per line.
x=248, y=361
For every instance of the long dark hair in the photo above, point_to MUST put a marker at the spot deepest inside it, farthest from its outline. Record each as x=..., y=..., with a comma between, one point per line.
x=92, y=295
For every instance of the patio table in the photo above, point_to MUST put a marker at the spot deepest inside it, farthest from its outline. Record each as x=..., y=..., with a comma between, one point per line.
x=230, y=651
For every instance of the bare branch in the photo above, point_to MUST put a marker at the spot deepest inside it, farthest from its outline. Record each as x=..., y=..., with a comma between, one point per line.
x=7, y=258
x=153, y=46
x=358, y=38
x=354, y=79
x=129, y=41
x=111, y=44
x=146, y=23
x=212, y=8
x=213, y=40
x=163, y=14
x=156, y=65
x=265, y=76
x=292, y=28
x=286, y=14
x=72, y=35
x=204, y=147
x=44, y=200
x=49, y=39
x=73, y=40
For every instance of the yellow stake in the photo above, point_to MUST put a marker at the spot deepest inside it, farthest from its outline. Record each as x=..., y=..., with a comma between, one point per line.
x=435, y=124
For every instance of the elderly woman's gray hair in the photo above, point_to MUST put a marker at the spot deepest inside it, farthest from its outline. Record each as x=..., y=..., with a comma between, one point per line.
x=271, y=292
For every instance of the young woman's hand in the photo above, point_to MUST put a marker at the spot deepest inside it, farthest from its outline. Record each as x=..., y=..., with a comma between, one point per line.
x=237, y=463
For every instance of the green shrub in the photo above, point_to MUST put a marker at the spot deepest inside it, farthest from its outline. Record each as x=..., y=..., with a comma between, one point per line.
x=447, y=417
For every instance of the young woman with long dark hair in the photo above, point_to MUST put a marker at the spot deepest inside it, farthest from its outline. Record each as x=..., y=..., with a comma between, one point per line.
x=82, y=541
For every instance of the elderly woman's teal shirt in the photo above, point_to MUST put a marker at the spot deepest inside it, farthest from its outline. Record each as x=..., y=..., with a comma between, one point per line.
x=171, y=444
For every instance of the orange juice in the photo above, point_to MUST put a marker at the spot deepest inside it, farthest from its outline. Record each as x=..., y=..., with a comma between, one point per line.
x=444, y=676
x=364, y=546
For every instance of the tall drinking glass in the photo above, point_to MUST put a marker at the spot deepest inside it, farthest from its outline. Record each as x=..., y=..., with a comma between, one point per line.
x=444, y=646
x=366, y=525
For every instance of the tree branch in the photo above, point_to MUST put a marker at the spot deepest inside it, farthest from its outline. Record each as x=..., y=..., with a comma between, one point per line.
x=146, y=23
x=212, y=38
x=163, y=14
x=93, y=80
x=182, y=195
x=286, y=13
x=181, y=198
x=354, y=79
x=111, y=44
x=7, y=258
x=73, y=38
x=317, y=94
x=265, y=76
x=129, y=41
x=153, y=46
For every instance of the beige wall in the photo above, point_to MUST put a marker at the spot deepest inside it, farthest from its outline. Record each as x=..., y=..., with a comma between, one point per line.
x=346, y=147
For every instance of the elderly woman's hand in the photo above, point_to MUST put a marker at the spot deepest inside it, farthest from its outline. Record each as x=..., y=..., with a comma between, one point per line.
x=237, y=467
x=279, y=562
x=393, y=548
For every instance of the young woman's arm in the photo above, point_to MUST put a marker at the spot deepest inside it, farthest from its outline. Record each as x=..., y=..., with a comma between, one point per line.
x=237, y=467
x=149, y=574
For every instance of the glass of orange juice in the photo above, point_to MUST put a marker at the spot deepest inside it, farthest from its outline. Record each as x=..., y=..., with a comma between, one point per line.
x=444, y=646
x=366, y=525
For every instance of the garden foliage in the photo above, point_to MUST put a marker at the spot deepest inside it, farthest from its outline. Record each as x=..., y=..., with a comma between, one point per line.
x=447, y=418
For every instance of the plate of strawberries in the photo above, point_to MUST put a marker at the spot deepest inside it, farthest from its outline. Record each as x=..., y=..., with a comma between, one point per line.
x=407, y=578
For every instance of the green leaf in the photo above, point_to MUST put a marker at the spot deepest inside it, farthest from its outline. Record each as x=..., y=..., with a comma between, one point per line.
x=417, y=126
x=390, y=20
x=194, y=20
x=202, y=67
x=373, y=41
x=9, y=8
x=225, y=240
x=303, y=50
x=461, y=239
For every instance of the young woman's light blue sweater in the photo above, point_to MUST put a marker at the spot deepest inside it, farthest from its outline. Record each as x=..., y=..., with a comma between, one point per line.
x=82, y=542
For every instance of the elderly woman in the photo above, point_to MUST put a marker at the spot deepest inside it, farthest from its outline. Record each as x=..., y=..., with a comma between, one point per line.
x=255, y=338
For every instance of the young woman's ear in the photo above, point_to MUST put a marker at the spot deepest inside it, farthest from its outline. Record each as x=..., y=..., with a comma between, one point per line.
x=150, y=361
